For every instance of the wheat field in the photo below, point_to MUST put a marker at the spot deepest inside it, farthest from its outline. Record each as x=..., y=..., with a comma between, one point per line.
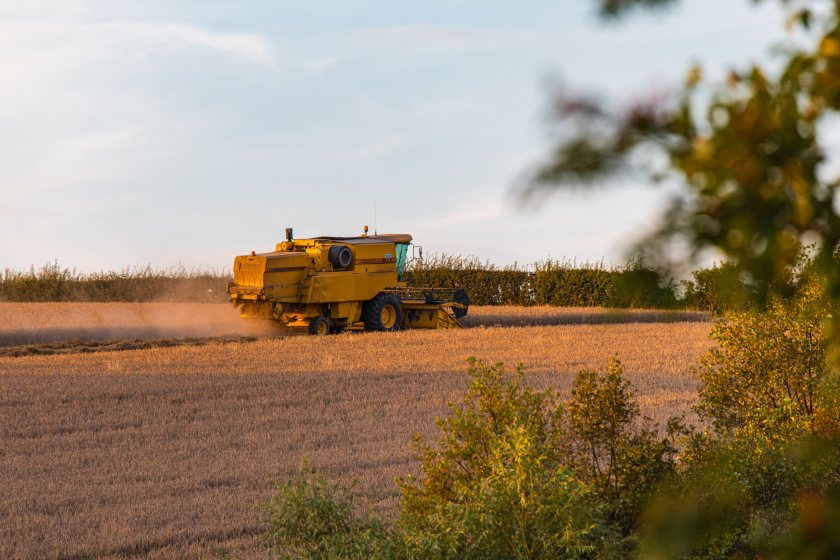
x=166, y=452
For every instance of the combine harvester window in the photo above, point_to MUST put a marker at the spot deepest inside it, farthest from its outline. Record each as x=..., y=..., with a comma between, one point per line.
x=402, y=252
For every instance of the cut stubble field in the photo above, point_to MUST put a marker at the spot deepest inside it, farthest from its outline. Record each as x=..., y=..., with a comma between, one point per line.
x=166, y=452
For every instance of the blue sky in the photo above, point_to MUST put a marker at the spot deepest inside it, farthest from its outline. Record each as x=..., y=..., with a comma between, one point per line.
x=168, y=132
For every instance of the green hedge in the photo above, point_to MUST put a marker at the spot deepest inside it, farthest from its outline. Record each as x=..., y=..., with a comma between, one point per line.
x=550, y=282
x=53, y=283
x=559, y=283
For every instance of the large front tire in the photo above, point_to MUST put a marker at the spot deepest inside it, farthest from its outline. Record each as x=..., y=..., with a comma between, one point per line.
x=319, y=326
x=383, y=313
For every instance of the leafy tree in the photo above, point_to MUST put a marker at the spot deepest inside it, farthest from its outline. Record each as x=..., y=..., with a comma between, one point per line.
x=771, y=448
x=751, y=155
x=617, y=8
x=748, y=151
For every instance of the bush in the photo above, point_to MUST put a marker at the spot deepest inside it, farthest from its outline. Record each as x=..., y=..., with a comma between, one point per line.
x=717, y=289
x=497, y=484
x=514, y=474
x=625, y=459
x=521, y=507
x=635, y=286
x=771, y=448
x=766, y=360
x=312, y=518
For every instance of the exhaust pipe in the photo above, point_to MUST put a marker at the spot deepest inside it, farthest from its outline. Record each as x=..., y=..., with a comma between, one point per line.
x=289, y=235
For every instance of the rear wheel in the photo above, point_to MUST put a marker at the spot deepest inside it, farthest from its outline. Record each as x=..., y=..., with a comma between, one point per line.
x=460, y=296
x=319, y=326
x=383, y=313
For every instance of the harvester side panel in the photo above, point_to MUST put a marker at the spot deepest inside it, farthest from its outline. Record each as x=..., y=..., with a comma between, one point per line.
x=329, y=287
x=378, y=257
x=352, y=311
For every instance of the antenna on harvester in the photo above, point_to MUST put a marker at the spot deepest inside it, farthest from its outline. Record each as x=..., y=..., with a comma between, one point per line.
x=375, y=232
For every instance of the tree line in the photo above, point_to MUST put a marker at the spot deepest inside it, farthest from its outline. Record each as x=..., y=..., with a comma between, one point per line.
x=549, y=282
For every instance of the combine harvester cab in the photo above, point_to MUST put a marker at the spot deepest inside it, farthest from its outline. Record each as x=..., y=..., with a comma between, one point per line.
x=329, y=284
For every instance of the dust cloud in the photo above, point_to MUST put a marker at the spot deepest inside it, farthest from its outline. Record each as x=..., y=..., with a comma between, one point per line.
x=45, y=323
x=39, y=323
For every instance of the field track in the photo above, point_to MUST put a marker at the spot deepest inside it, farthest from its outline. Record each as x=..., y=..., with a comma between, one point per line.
x=165, y=452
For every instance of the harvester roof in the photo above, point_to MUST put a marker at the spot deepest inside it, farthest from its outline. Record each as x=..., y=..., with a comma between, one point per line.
x=385, y=237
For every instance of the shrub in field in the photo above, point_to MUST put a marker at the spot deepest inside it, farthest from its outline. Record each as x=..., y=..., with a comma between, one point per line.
x=514, y=474
x=622, y=456
x=637, y=286
x=766, y=360
x=769, y=464
x=521, y=507
x=312, y=518
x=717, y=289
x=498, y=484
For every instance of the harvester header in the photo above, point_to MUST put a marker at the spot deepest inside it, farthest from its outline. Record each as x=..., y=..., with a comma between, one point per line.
x=328, y=284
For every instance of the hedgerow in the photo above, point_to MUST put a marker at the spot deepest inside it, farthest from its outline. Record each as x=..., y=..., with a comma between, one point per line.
x=52, y=282
x=549, y=282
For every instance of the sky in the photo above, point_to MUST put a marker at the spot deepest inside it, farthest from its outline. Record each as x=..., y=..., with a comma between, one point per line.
x=186, y=132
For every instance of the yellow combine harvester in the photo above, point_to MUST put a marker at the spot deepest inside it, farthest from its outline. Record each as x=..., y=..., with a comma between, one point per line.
x=329, y=284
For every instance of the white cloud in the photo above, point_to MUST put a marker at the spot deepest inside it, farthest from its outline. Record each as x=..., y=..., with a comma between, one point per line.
x=80, y=159
x=72, y=113
x=471, y=213
x=111, y=36
x=80, y=121
x=323, y=64
x=42, y=10
x=375, y=149
x=246, y=45
x=413, y=39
